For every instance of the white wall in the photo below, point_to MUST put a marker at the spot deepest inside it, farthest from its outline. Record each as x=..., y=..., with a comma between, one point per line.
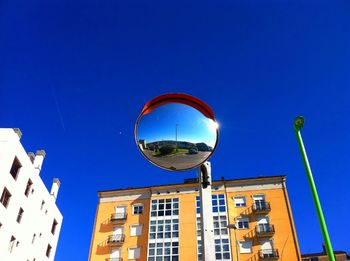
x=33, y=220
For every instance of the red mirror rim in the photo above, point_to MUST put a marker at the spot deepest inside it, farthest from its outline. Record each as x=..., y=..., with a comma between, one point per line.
x=179, y=98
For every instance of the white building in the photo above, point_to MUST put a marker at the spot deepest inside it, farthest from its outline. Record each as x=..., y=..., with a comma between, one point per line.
x=30, y=221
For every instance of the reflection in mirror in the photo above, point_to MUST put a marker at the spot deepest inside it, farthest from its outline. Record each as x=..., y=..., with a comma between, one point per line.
x=176, y=136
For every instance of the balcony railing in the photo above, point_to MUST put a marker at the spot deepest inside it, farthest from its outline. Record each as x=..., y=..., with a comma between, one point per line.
x=268, y=254
x=115, y=239
x=115, y=217
x=114, y=259
x=263, y=230
x=261, y=207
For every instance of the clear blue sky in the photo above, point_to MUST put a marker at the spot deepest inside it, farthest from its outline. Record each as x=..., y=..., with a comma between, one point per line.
x=165, y=122
x=75, y=75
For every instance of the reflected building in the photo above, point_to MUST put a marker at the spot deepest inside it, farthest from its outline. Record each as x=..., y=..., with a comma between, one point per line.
x=172, y=143
x=162, y=222
x=143, y=144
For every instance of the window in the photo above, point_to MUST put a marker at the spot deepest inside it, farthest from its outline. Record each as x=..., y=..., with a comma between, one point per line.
x=137, y=209
x=29, y=185
x=19, y=216
x=218, y=202
x=48, y=250
x=245, y=247
x=16, y=165
x=221, y=235
x=165, y=207
x=135, y=230
x=134, y=253
x=240, y=201
x=5, y=197
x=120, y=212
x=222, y=249
x=220, y=225
x=242, y=223
x=12, y=243
x=54, y=225
x=164, y=230
x=260, y=203
x=266, y=248
x=163, y=251
x=160, y=229
x=115, y=254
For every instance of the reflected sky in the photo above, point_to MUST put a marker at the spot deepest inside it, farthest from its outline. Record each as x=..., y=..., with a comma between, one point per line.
x=191, y=125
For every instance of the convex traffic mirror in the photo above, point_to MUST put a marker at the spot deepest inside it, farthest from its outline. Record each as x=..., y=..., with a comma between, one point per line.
x=176, y=132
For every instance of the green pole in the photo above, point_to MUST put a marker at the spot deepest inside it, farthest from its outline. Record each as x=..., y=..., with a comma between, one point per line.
x=298, y=124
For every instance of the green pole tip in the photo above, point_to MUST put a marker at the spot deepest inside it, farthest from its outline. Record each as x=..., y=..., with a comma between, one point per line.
x=298, y=123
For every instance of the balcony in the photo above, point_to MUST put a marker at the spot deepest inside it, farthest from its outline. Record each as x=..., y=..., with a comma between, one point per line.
x=114, y=259
x=264, y=230
x=115, y=239
x=261, y=207
x=118, y=217
x=268, y=254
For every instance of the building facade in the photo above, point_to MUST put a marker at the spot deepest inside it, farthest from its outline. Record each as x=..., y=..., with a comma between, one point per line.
x=322, y=256
x=252, y=221
x=30, y=221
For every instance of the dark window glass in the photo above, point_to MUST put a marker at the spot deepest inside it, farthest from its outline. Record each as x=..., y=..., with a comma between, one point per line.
x=5, y=197
x=29, y=185
x=19, y=216
x=48, y=250
x=12, y=243
x=16, y=165
x=54, y=225
x=226, y=255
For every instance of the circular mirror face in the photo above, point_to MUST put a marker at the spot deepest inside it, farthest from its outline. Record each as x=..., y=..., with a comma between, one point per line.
x=176, y=136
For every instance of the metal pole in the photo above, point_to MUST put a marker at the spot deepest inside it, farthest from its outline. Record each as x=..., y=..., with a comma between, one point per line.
x=298, y=124
x=207, y=226
x=236, y=241
x=176, y=136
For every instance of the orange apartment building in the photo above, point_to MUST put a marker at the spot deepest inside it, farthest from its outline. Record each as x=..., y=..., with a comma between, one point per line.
x=162, y=223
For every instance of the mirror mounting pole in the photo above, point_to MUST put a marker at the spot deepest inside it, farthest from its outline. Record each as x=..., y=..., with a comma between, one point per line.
x=207, y=226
